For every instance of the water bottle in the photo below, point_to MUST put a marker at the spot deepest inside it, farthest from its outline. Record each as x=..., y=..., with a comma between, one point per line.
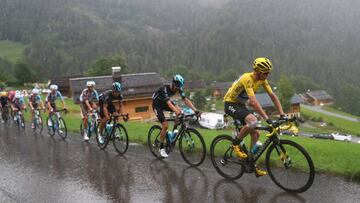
x=173, y=136
x=257, y=146
x=170, y=136
x=109, y=127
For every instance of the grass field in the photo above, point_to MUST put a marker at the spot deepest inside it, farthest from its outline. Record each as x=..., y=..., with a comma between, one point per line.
x=340, y=124
x=329, y=156
x=12, y=51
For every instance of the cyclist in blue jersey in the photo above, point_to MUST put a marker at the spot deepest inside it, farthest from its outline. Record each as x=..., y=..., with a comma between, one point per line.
x=52, y=97
x=17, y=103
x=88, y=102
x=35, y=102
x=162, y=102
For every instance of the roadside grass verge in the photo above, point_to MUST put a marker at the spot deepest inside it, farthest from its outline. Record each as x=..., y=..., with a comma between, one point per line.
x=329, y=156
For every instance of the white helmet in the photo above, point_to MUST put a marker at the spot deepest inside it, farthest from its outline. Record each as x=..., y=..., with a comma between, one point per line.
x=90, y=83
x=35, y=91
x=53, y=87
x=17, y=94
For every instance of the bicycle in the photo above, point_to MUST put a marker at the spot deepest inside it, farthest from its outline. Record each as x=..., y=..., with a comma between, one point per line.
x=93, y=121
x=115, y=132
x=55, y=123
x=191, y=143
x=19, y=119
x=37, y=121
x=5, y=113
x=283, y=158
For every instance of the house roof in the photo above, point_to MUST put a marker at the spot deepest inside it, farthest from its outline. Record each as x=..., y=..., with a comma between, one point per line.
x=196, y=84
x=319, y=95
x=134, y=85
x=222, y=85
x=265, y=100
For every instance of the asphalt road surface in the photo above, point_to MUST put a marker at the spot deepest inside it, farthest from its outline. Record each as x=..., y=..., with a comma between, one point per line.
x=39, y=168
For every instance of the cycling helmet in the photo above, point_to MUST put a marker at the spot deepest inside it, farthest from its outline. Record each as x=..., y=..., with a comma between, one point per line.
x=53, y=87
x=178, y=80
x=116, y=86
x=263, y=65
x=17, y=94
x=35, y=91
x=12, y=93
x=3, y=94
x=90, y=83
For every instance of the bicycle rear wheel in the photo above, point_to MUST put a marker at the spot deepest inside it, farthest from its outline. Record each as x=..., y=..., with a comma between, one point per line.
x=290, y=166
x=154, y=140
x=225, y=161
x=192, y=147
x=120, y=139
x=62, y=130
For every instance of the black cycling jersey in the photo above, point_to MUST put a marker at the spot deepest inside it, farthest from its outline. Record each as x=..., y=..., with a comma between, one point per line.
x=4, y=100
x=163, y=94
x=108, y=98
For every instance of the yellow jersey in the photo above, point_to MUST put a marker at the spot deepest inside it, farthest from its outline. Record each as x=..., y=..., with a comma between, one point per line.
x=245, y=87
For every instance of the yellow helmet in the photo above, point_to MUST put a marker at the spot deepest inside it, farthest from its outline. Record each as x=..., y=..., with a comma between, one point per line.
x=3, y=94
x=262, y=64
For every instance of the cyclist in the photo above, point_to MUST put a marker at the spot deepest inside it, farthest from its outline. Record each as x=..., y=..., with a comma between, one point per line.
x=51, y=99
x=88, y=102
x=34, y=102
x=240, y=95
x=18, y=103
x=4, y=102
x=110, y=101
x=162, y=102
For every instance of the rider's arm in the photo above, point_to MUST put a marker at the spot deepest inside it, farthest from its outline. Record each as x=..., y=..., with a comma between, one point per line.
x=173, y=107
x=105, y=110
x=256, y=105
x=62, y=99
x=88, y=104
x=277, y=103
x=189, y=104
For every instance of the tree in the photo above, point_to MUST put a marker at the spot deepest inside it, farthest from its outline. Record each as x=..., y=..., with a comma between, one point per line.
x=103, y=66
x=23, y=74
x=286, y=91
x=6, y=73
x=199, y=100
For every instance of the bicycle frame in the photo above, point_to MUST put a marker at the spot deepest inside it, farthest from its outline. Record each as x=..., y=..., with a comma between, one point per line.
x=272, y=138
x=182, y=130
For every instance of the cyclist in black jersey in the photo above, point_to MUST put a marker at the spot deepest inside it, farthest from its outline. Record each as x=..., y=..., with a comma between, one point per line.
x=110, y=102
x=162, y=102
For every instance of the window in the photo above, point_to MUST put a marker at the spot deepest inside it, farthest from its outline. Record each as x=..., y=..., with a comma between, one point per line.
x=141, y=109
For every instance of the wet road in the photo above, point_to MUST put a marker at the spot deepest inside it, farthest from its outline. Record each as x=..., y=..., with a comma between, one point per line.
x=38, y=168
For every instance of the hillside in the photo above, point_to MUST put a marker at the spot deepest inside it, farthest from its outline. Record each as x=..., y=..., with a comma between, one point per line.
x=12, y=51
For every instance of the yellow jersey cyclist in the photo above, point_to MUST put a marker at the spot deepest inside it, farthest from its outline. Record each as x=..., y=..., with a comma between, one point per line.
x=88, y=102
x=35, y=102
x=162, y=102
x=241, y=94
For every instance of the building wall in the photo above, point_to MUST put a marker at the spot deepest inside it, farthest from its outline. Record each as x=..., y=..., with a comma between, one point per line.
x=139, y=108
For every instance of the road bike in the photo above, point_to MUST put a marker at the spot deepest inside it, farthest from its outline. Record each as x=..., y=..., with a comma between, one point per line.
x=289, y=165
x=115, y=132
x=55, y=123
x=93, y=121
x=191, y=143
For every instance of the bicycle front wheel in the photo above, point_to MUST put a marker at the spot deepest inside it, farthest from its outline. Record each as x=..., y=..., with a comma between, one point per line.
x=62, y=130
x=290, y=166
x=50, y=125
x=120, y=139
x=224, y=159
x=192, y=147
x=38, y=124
